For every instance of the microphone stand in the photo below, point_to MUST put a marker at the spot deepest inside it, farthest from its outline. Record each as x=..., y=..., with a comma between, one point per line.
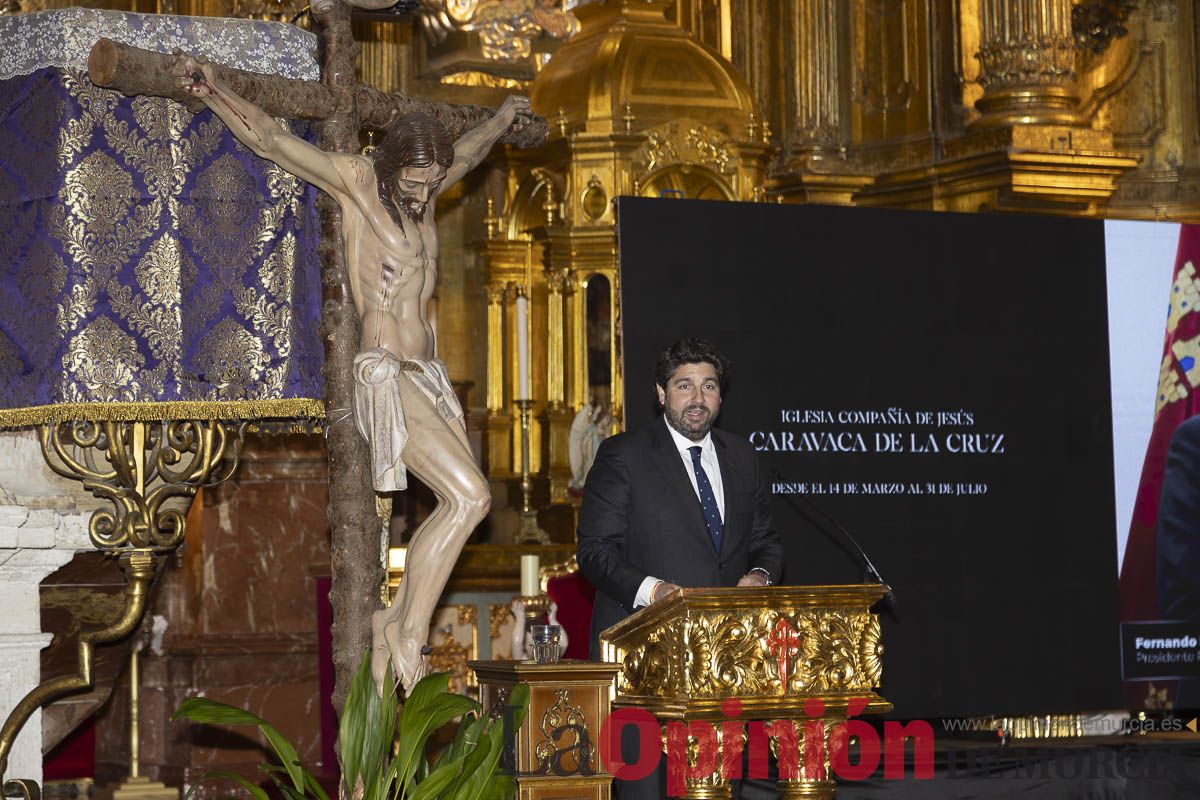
x=831, y=524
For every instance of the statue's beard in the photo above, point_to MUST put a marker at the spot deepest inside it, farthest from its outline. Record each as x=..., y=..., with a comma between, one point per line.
x=413, y=208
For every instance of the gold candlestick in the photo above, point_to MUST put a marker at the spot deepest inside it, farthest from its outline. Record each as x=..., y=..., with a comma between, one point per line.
x=138, y=787
x=528, y=532
x=535, y=607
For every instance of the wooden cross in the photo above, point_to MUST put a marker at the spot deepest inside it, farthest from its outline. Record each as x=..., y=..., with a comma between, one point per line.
x=342, y=107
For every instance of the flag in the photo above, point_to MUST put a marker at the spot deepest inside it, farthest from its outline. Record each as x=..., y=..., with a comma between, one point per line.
x=1177, y=399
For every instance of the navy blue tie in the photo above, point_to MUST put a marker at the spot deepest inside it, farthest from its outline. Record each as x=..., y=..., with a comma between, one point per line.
x=708, y=500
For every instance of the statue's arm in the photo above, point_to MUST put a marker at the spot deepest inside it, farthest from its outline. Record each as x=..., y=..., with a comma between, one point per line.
x=474, y=145
x=256, y=129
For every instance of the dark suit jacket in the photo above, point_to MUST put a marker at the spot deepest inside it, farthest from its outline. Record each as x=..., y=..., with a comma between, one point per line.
x=1179, y=526
x=640, y=516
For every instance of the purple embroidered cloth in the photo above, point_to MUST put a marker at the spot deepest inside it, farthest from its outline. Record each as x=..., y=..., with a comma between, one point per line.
x=150, y=266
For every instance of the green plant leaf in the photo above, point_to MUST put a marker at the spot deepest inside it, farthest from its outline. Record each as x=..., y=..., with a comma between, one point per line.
x=352, y=726
x=432, y=785
x=471, y=765
x=288, y=792
x=202, y=709
x=256, y=791
x=478, y=782
x=500, y=787
x=428, y=707
x=287, y=755
x=479, y=770
x=366, y=731
x=314, y=786
x=470, y=731
x=518, y=701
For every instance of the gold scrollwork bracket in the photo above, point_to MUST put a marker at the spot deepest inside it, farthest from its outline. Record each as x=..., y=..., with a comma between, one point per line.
x=138, y=467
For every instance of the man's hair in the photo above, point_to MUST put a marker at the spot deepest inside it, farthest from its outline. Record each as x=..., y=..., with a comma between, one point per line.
x=413, y=140
x=690, y=351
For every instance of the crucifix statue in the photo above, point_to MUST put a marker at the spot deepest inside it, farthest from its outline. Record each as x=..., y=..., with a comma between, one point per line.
x=389, y=227
x=404, y=404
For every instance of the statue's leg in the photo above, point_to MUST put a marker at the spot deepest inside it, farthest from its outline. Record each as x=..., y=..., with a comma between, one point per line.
x=437, y=454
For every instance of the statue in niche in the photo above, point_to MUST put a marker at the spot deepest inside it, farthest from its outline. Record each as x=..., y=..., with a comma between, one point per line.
x=589, y=428
x=404, y=404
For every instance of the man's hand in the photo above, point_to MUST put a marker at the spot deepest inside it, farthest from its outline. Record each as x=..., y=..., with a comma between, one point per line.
x=662, y=589
x=193, y=74
x=516, y=112
x=752, y=579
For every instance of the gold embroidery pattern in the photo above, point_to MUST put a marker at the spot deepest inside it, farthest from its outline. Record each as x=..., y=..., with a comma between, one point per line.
x=231, y=358
x=105, y=359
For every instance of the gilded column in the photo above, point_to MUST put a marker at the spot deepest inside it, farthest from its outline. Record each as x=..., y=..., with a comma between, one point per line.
x=558, y=415
x=556, y=352
x=814, y=53
x=815, y=76
x=577, y=344
x=1027, y=63
x=499, y=453
x=495, y=348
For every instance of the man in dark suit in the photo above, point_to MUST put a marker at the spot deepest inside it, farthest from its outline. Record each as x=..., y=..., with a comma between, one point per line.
x=675, y=503
x=1179, y=526
x=1179, y=541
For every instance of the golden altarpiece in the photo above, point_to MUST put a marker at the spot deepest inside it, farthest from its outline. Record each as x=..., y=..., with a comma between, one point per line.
x=1084, y=107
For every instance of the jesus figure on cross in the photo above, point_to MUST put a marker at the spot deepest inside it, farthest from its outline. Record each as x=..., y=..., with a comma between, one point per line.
x=404, y=404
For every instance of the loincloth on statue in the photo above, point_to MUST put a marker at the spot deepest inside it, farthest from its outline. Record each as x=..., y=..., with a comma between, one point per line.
x=379, y=412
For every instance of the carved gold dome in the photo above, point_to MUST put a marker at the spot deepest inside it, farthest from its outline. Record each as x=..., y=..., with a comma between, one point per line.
x=630, y=69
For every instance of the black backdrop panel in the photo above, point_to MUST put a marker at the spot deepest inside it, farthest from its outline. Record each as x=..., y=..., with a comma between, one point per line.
x=939, y=384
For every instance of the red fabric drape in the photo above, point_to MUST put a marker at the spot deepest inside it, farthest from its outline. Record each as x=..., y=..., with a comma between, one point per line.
x=1177, y=399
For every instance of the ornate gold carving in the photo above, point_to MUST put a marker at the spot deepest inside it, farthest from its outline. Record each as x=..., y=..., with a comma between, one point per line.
x=712, y=653
x=697, y=144
x=139, y=467
x=506, y=28
x=474, y=77
x=563, y=730
x=884, y=79
x=549, y=572
x=1026, y=42
x=498, y=614
x=1095, y=23
x=594, y=200
x=710, y=148
x=658, y=150
x=450, y=656
x=456, y=646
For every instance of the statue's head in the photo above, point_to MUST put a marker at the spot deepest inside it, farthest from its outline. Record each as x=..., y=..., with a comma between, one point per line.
x=411, y=163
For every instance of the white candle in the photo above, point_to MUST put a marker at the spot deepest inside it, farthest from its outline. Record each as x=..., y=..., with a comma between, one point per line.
x=522, y=348
x=530, y=585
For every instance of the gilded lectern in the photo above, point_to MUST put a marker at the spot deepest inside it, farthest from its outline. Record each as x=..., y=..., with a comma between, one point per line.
x=801, y=658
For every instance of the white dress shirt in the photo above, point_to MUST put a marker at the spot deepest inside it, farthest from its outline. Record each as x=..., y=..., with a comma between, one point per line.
x=712, y=468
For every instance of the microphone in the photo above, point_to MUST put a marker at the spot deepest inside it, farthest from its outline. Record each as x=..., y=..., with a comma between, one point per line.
x=831, y=524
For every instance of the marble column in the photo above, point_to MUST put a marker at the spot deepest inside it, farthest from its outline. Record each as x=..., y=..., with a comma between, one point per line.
x=42, y=526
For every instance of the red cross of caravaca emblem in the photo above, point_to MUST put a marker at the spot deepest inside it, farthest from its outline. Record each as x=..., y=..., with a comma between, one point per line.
x=784, y=644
